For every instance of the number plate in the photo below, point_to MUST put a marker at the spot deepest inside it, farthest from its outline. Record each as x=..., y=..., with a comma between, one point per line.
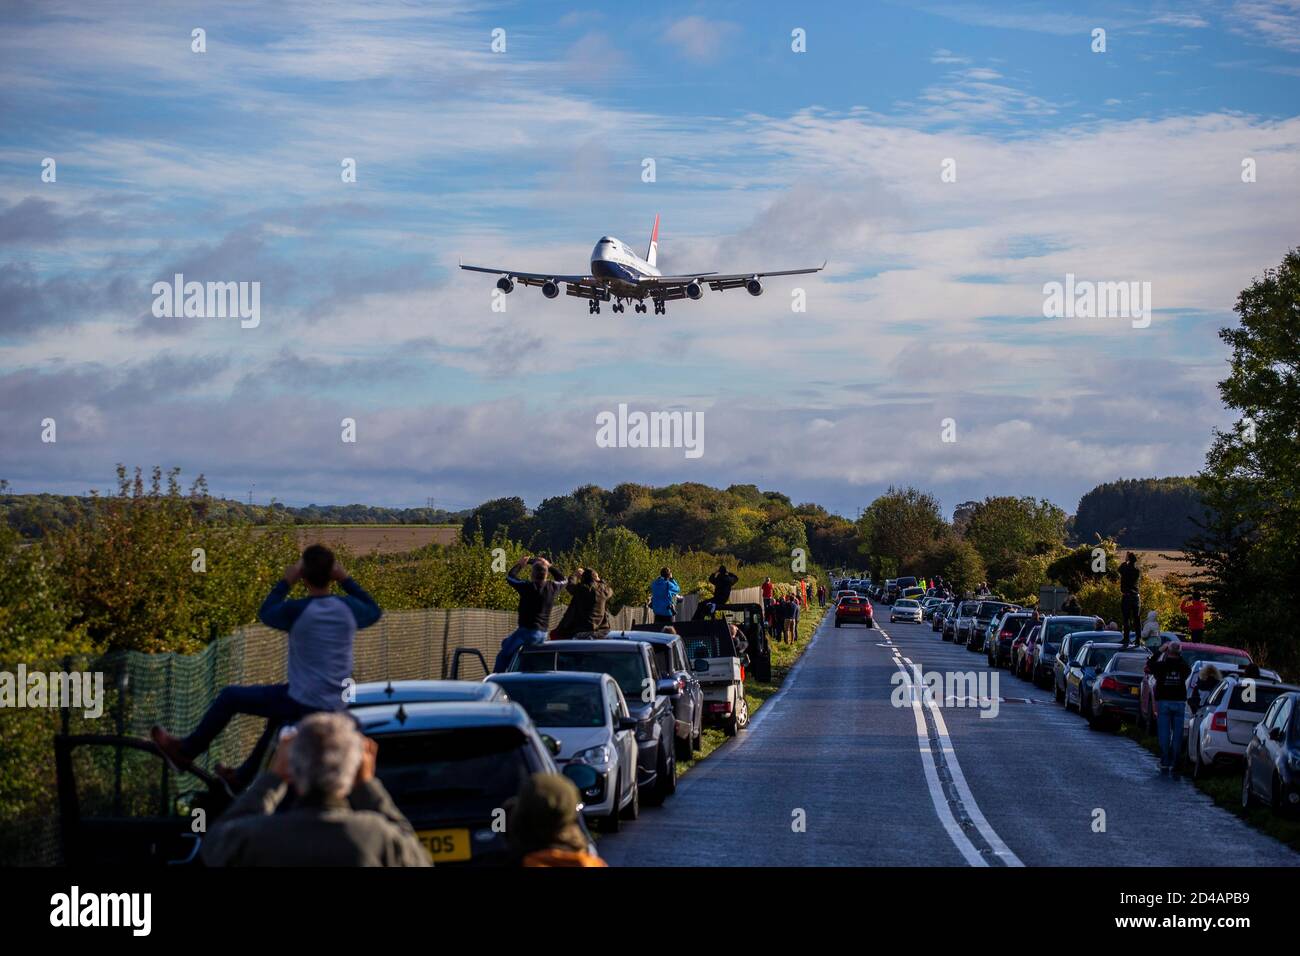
x=445, y=846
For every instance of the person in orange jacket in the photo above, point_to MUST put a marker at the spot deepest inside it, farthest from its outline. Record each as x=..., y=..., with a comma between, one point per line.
x=1195, y=611
x=542, y=824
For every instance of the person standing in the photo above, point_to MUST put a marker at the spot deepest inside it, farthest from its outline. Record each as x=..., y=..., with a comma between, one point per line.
x=1195, y=611
x=792, y=623
x=536, y=600
x=1151, y=631
x=1170, y=672
x=1130, y=606
x=723, y=581
x=821, y=595
x=586, y=614
x=322, y=628
x=663, y=596
x=767, y=593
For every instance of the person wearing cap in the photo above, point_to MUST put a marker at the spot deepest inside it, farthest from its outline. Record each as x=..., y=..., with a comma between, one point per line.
x=1170, y=672
x=542, y=824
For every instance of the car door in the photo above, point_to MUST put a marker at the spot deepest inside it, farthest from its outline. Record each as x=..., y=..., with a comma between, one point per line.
x=1260, y=767
x=694, y=693
x=624, y=740
x=122, y=804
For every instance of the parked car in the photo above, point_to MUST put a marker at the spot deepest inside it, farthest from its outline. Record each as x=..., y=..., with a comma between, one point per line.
x=688, y=703
x=1272, y=771
x=1192, y=653
x=1114, y=693
x=1088, y=662
x=588, y=718
x=854, y=610
x=1069, y=649
x=1022, y=649
x=1003, y=630
x=719, y=664
x=1054, y=631
x=940, y=613
x=905, y=609
x=984, y=615
x=965, y=621
x=1221, y=729
x=912, y=594
x=649, y=697
x=450, y=767
x=928, y=606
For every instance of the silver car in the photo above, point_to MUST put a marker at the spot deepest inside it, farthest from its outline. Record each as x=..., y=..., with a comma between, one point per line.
x=587, y=717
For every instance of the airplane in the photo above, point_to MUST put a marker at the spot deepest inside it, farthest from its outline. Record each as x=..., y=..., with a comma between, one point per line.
x=620, y=274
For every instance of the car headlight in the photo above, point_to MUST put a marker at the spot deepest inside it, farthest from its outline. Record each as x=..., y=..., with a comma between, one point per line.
x=599, y=756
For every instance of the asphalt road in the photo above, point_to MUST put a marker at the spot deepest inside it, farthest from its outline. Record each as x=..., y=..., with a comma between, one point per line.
x=833, y=773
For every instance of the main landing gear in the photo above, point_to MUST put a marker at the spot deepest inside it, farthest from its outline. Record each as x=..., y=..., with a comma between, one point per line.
x=593, y=307
x=618, y=306
x=660, y=308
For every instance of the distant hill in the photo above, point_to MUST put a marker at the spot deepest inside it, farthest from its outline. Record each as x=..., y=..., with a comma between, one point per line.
x=1140, y=512
x=34, y=515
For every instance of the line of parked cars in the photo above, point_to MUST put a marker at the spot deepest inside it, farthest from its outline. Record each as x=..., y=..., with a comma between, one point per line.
x=1247, y=724
x=614, y=714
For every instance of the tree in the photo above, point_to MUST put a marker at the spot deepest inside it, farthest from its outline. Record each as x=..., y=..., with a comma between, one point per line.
x=956, y=560
x=499, y=517
x=1004, y=529
x=1249, y=543
x=898, y=526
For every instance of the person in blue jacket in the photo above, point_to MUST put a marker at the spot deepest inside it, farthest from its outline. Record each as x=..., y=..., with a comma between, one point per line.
x=321, y=628
x=663, y=596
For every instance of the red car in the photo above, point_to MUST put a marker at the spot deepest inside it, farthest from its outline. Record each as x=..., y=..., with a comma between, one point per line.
x=1022, y=650
x=1192, y=653
x=856, y=609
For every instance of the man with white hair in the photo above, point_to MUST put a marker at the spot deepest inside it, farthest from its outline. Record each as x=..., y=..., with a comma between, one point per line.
x=341, y=815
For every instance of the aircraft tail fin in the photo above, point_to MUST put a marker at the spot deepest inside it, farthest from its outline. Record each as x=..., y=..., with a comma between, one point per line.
x=653, y=252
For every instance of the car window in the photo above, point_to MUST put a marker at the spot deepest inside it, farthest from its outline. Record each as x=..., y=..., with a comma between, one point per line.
x=663, y=657
x=555, y=704
x=1056, y=630
x=1216, y=657
x=1099, y=657
x=1264, y=696
x=1128, y=664
x=458, y=772
x=627, y=669
x=614, y=704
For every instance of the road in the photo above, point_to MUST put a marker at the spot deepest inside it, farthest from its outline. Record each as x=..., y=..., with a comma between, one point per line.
x=832, y=773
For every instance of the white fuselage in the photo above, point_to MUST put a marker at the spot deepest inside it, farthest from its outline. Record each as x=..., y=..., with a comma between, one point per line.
x=618, y=265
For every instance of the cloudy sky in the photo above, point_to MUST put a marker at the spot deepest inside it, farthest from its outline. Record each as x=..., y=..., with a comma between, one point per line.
x=225, y=165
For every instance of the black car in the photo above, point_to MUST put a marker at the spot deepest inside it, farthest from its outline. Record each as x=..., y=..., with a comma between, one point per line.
x=998, y=650
x=1272, y=773
x=983, y=617
x=1115, y=689
x=1068, y=650
x=688, y=702
x=650, y=696
x=937, y=618
x=1055, y=629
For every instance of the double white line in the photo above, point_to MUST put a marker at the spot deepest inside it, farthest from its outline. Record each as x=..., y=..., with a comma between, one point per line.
x=960, y=801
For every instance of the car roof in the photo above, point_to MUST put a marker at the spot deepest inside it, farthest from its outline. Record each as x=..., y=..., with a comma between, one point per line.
x=648, y=637
x=548, y=677
x=408, y=691
x=1189, y=645
x=617, y=645
x=403, y=718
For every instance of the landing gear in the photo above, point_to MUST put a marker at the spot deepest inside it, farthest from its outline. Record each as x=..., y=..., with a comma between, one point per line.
x=660, y=308
x=618, y=306
x=640, y=306
x=593, y=307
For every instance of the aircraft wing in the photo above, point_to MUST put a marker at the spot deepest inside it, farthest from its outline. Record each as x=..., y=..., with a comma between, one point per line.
x=535, y=278
x=674, y=287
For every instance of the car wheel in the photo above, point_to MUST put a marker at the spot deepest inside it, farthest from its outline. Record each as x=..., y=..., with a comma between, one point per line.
x=1275, y=795
x=1094, y=721
x=837, y=623
x=1060, y=696
x=1199, y=770
x=742, y=716
x=1247, y=798
x=699, y=732
x=612, y=822
x=683, y=747
x=1067, y=702
x=633, y=808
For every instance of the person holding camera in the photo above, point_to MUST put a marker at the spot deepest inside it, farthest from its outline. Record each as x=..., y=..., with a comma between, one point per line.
x=537, y=597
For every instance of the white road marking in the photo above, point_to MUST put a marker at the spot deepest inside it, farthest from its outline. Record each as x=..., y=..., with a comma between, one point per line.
x=964, y=795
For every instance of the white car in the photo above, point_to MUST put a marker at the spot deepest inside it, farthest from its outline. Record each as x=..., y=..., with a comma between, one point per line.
x=1225, y=670
x=905, y=609
x=1222, y=728
x=587, y=717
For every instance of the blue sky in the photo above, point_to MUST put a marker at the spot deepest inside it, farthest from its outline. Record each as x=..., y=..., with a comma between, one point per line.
x=1116, y=166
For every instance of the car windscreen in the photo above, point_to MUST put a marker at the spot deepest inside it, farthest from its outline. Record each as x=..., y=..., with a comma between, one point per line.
x=1263, y=695
x=987, y=609
x=907, y=604
x=453, y=773
x=1099, y=657
x=559, y=704
x=625, y=667
x=1217, y=657
x=1128, y=664
x=969, y=608
x=1056, y=630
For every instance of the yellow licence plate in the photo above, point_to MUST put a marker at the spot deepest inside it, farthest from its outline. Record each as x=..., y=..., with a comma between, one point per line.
x=1134, y=691
x=445, y=846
